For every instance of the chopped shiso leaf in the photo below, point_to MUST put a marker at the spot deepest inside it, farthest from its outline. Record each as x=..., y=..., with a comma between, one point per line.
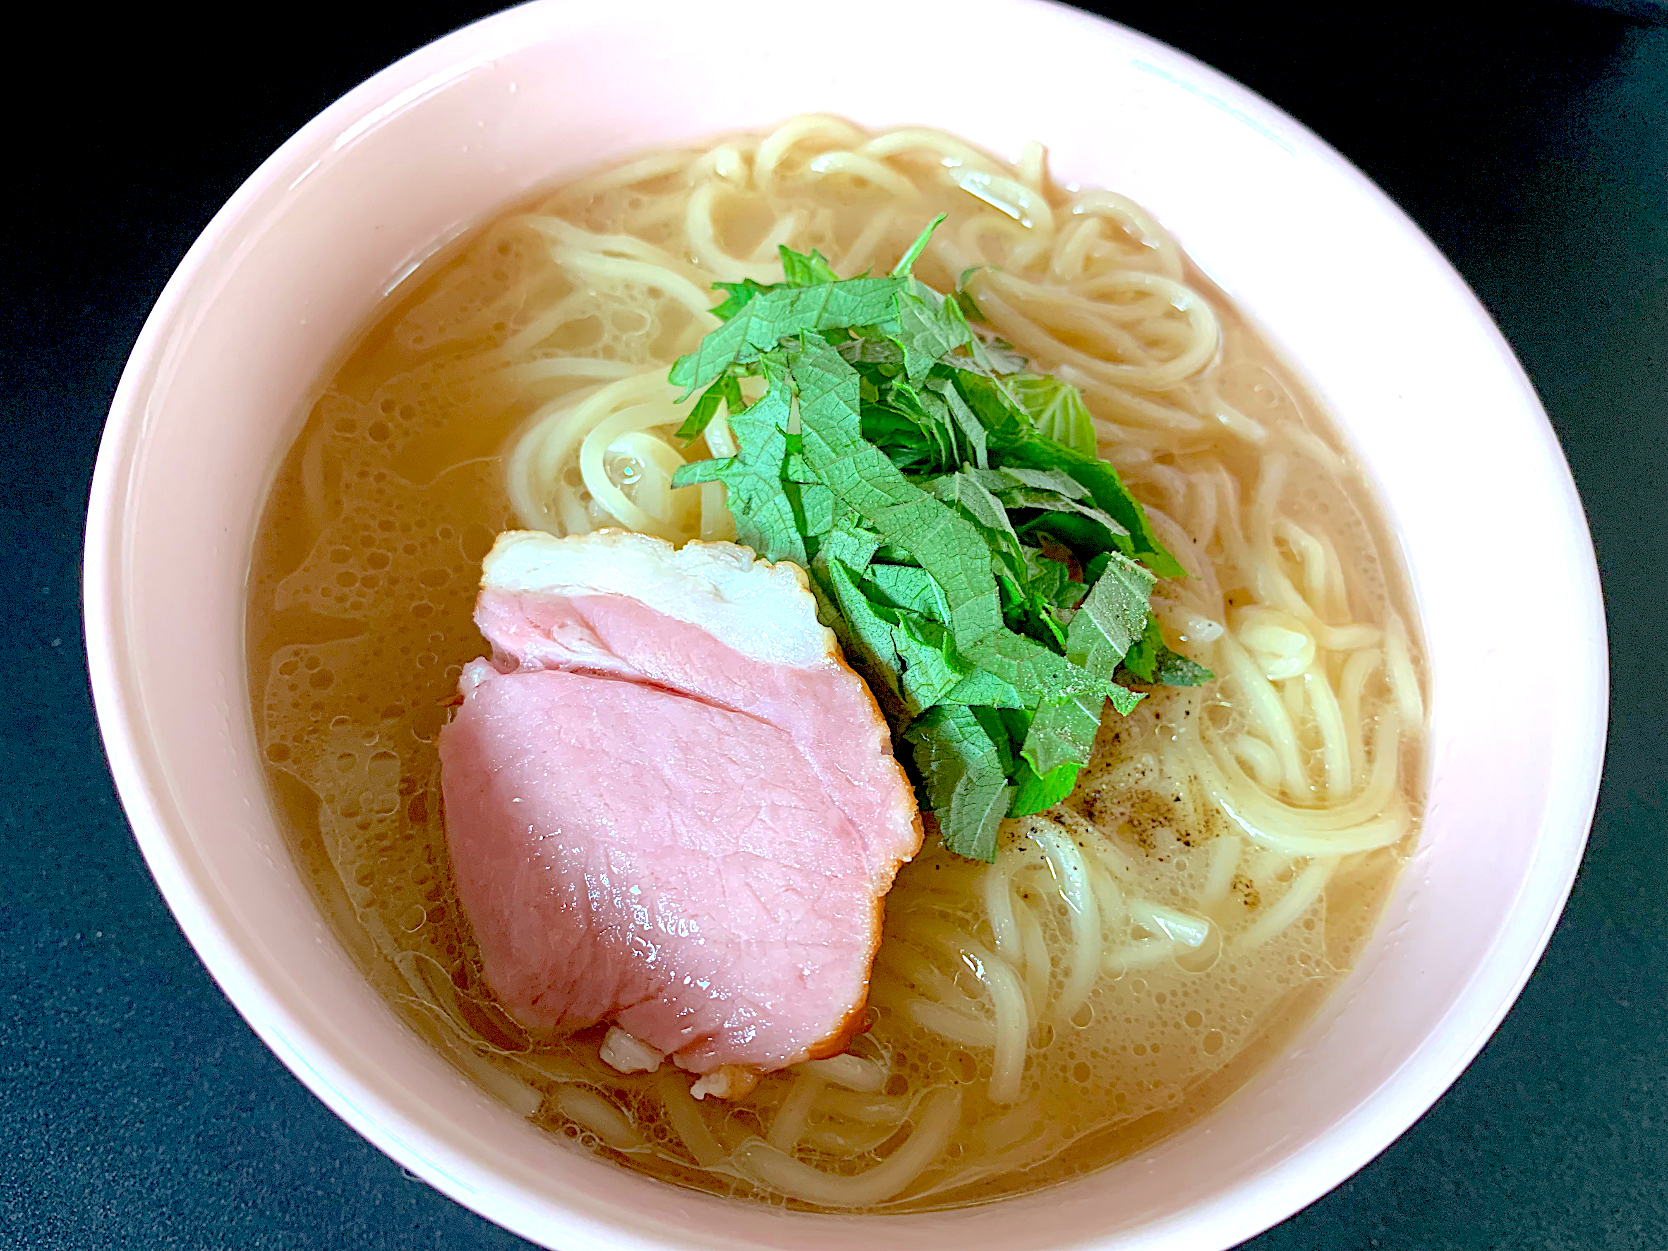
x=984, y=570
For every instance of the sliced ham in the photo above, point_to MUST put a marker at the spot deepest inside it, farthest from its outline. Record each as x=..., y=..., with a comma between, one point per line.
x=670, y=804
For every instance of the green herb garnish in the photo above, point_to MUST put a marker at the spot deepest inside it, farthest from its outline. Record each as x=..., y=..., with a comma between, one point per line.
x=983, y=569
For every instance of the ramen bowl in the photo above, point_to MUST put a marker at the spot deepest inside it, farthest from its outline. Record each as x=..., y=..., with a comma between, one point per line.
x=1388, y=336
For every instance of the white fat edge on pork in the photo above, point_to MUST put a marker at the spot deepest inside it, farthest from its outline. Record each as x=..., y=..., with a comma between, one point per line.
x=626, y=1053
x=764, y=611
x=727, y=1081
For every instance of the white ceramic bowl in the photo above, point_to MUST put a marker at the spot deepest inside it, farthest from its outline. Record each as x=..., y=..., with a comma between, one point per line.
x=1394, y=341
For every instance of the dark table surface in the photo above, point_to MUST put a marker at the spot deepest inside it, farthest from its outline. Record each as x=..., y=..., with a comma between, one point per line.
x=137, y=1109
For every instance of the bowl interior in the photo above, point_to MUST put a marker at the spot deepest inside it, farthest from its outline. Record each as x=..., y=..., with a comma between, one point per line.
x=1392, y=340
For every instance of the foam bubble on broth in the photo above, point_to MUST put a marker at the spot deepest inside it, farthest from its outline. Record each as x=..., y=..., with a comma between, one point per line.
x=366, y=570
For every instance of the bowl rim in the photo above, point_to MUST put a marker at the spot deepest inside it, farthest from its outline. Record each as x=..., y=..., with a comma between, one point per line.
x=1346, y=1146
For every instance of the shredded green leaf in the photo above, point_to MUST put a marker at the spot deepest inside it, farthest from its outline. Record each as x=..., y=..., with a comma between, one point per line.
x=982, y=568
x=1058, y=411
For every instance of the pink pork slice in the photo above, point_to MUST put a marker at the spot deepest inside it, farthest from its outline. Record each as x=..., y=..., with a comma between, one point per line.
x=669, y=803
